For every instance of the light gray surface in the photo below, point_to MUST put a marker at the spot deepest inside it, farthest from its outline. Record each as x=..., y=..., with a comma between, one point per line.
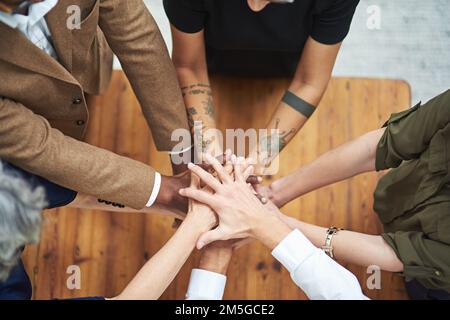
x=412, y=44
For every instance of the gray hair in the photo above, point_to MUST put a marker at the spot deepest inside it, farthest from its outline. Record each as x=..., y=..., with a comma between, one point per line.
x=20, y=218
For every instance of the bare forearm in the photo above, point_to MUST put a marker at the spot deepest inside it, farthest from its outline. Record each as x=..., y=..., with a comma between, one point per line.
x=283, y=126
x=344, y=162
x=198, y=100
x=352, y=247
x=156, y=275
x=289, y=121
x=309, y=84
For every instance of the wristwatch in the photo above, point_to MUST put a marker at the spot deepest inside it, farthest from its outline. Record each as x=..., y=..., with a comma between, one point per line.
x=328, y=248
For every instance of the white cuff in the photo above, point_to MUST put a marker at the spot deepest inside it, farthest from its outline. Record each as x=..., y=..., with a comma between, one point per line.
x=181, y=151
x=293, y=250
x=206, y=285
x=155, y=190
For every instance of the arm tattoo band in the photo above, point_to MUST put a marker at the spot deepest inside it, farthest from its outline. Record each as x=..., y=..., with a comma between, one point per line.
x=298, y=104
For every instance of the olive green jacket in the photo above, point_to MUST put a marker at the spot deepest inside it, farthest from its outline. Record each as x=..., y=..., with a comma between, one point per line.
x=413, y=200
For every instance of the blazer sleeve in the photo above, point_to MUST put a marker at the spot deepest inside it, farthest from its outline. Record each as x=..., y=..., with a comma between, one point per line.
x=134, y=37
x=28, y=141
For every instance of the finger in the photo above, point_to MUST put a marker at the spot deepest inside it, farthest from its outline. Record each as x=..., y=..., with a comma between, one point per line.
x=205, y=177
x=248, y=172
x=210, y=237
x=228, y=154
x=228, y=165
x=233, y=159
x=195, y=181
x=220, y=158
x=238, y=175
x=252, y=179
x=261, y=198
x=220, y=170
x=200, y=196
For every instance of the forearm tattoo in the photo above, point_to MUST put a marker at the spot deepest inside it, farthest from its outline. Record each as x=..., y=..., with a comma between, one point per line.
x=272, y=144
x=191, y=112
x=203, y=112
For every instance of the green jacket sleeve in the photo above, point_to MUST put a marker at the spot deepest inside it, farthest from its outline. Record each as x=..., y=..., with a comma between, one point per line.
x=425, y=260
x=409, y=133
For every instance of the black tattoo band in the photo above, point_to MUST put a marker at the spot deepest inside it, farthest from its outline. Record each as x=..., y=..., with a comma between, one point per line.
x=298, y=104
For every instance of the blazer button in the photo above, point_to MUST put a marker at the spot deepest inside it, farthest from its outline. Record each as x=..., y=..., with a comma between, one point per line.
x=80, y=123
x=77, y=101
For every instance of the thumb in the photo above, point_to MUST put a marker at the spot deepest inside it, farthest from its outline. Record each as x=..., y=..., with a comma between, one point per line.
x=209, y=237
x=195, y=181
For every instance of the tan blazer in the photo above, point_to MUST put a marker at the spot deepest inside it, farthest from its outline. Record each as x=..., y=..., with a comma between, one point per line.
x=43, y=111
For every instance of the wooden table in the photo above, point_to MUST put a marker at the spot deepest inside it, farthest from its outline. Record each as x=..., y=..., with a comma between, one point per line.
x=111, y=247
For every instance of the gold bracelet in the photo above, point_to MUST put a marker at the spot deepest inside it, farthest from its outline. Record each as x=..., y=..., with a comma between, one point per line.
x=328, y=248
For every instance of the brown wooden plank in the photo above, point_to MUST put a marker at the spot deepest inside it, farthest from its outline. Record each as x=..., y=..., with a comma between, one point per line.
x=111, y=247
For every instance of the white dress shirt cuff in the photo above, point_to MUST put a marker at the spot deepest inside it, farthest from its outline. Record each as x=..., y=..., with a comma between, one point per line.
x=293, y=250
x=206, y=285
x=155, y=190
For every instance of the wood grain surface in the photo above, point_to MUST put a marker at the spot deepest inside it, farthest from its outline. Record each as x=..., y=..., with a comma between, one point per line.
x=111, y=247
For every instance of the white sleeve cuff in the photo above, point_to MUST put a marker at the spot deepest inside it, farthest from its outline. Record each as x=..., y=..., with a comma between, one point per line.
x=155, y=190
x=293, y=250
x=206, y=285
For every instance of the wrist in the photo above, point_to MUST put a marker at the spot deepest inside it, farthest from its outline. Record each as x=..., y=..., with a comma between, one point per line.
x=199, y=223
x=179, y=168
x=216, y=260
x=169, y=192
x=271, y=231
x=278, y=196
x=166, y=191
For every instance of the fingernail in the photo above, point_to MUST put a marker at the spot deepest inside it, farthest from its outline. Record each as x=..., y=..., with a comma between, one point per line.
x=259, y=179
x=191, y=165
x=201, y=245
x=181, y=191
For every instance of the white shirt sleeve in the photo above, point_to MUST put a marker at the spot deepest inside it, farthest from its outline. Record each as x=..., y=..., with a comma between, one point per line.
x=206, y=285
x=155, y=190
x=319, y=276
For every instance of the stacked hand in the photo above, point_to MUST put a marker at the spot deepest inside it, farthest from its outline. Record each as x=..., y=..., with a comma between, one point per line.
x=240, y=212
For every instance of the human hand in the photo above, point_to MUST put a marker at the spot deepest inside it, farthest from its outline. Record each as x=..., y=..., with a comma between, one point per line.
x=200, y=213
x=269, y=193
x=225, y=159
x=241, y=213
x=169, y=193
